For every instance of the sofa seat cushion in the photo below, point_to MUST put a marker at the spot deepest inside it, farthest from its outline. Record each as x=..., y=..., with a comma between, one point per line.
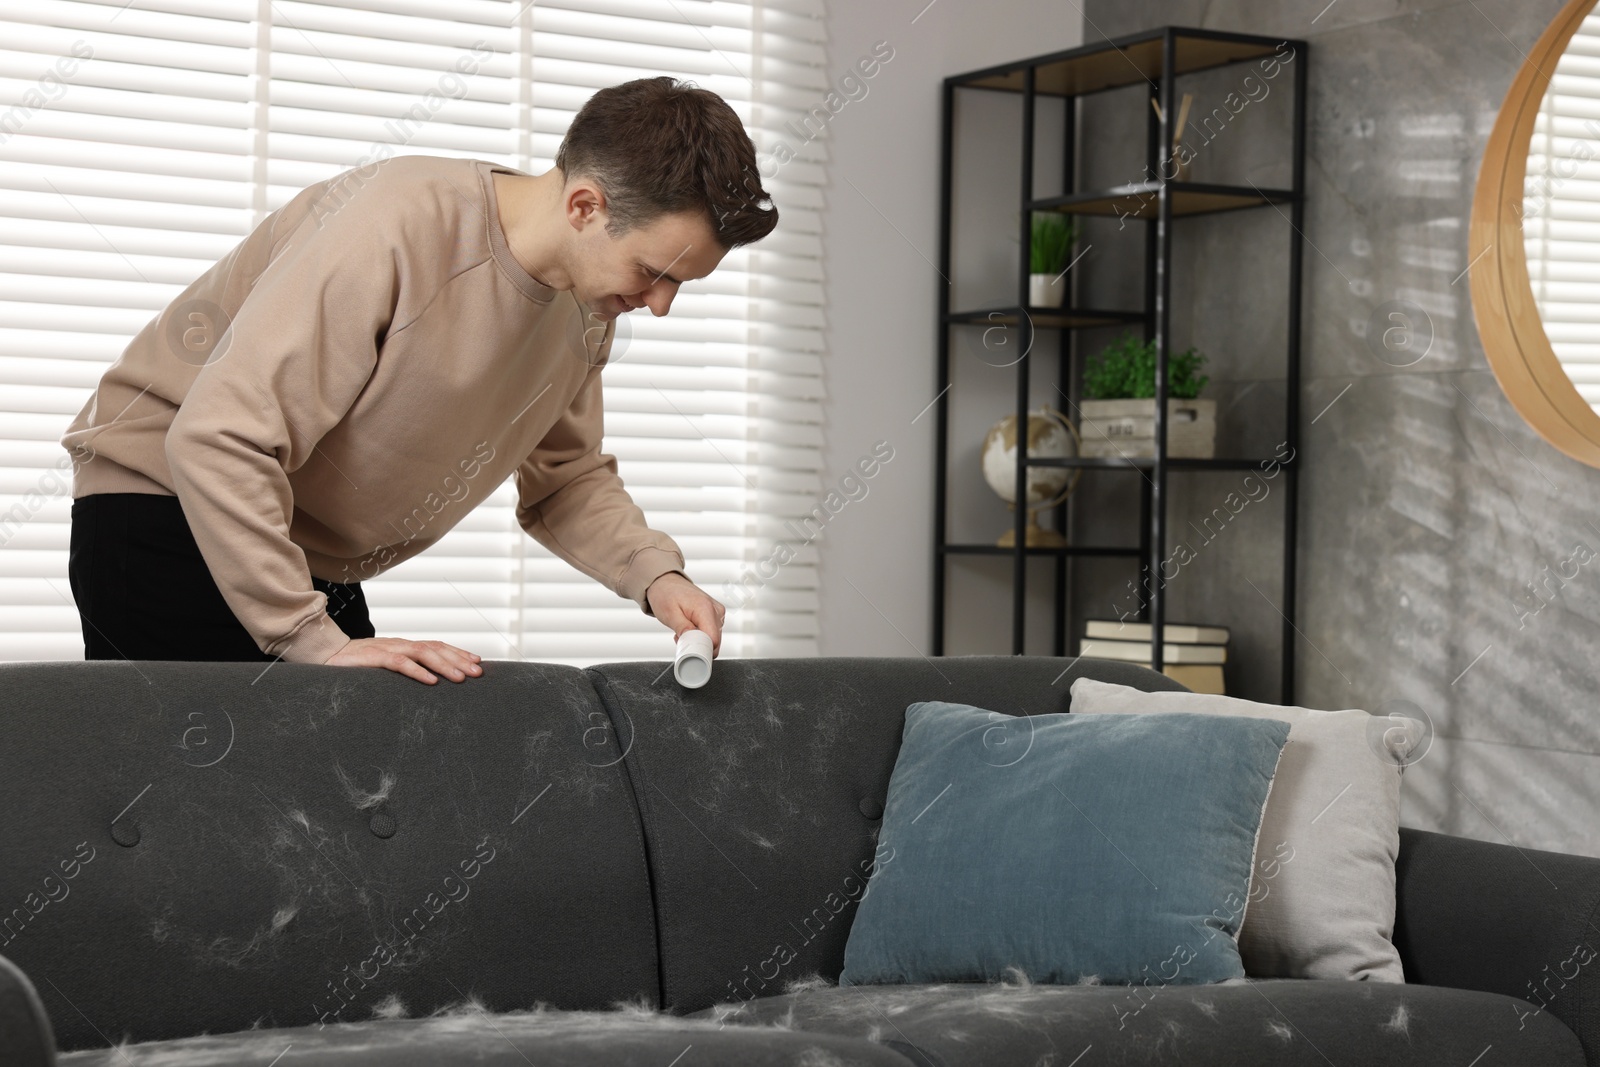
x=1286, y=1022
x=549, y=1038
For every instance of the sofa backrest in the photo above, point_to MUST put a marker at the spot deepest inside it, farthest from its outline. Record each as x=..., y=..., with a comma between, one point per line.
x=762, y=794
x=207, y=847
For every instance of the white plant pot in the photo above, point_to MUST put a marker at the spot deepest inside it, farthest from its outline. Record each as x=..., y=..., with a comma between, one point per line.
x=1046, y=290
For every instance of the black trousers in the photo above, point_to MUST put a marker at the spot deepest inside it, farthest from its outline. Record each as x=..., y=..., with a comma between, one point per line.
x=144, y=591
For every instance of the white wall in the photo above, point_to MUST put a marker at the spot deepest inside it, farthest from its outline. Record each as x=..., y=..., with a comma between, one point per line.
x=881, y=240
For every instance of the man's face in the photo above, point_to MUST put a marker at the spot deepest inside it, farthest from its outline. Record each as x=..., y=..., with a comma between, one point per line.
x=642, y=268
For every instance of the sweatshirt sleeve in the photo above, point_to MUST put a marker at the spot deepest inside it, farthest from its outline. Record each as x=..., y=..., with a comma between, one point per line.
x=571, y=500
x=303, y=344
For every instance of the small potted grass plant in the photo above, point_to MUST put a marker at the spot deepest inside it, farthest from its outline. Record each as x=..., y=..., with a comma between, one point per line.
x=1049, y=249
x=1117, y=418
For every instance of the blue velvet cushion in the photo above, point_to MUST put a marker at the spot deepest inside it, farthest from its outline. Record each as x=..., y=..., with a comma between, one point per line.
x=1117, y=846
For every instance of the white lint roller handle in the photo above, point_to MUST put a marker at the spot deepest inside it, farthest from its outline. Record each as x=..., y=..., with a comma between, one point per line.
x=692, y=664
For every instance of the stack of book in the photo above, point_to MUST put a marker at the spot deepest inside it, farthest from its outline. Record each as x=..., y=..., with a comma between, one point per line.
x=1191, y=655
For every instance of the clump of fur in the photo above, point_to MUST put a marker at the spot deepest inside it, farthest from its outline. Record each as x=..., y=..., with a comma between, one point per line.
x=361, y=798
x=390, y=1007
x=808, y=982
x=1018, y=978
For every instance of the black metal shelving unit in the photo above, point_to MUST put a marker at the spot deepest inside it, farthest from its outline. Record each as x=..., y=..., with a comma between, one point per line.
x=1156, y=57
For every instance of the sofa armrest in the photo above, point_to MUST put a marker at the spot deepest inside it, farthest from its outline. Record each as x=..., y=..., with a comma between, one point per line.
x=1522, y=922
x=25, y=1034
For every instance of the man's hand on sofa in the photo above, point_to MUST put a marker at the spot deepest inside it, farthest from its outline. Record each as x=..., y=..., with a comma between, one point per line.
x=681, y=605
x=410, y=658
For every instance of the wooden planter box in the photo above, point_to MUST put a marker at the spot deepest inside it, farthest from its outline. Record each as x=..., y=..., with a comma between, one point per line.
x=1111, y=428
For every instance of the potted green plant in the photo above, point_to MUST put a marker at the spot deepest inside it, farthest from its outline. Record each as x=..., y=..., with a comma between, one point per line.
x=1050, y=245
x=1117, y=416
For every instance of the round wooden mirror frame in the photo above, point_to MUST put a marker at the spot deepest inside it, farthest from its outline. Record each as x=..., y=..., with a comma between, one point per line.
x=1514, y=338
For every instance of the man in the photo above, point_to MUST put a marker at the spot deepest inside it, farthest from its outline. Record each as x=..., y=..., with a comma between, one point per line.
x=371, y=362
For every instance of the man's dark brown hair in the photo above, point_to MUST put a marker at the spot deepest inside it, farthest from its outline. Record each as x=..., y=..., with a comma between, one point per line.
x=658, y=146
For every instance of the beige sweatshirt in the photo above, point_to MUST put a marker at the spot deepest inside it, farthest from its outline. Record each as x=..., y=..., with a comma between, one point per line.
x=352, y=379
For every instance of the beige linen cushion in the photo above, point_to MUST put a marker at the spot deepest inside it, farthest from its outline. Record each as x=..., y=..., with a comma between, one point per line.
x=1322, y=893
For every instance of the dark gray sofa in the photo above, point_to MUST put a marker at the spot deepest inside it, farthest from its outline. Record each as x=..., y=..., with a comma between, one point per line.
x=205, y=864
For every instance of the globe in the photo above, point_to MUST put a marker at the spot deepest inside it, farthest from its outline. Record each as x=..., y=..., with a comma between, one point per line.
x=1050, y=435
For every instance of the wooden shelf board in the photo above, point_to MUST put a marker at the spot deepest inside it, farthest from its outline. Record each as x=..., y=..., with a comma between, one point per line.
x=1146, y=462
x=1040, y=550
x=1049, y=318
x=1142, y=200
x=1111, y=66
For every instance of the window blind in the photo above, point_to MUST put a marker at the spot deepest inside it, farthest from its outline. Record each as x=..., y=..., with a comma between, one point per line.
x=1561, y=211
x=138, y=144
